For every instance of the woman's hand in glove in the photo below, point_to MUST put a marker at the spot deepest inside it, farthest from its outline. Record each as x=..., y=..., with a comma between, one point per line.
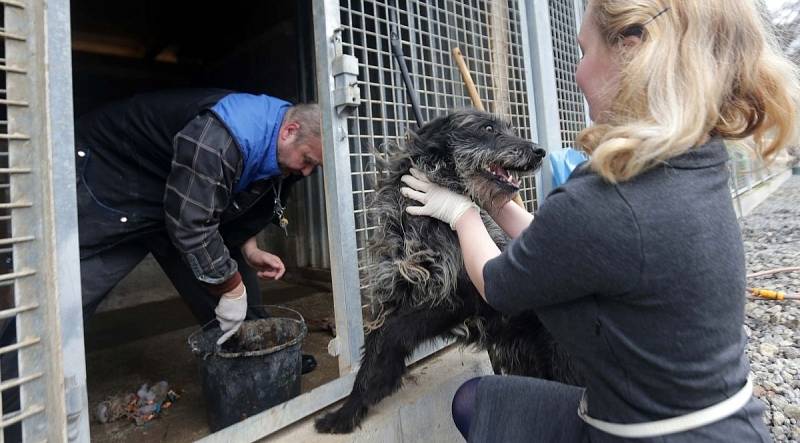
x=231, y=311
x=437, y=202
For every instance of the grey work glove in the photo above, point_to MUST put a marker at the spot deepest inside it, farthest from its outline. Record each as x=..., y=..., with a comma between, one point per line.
x=231, y=311
x=437, y=202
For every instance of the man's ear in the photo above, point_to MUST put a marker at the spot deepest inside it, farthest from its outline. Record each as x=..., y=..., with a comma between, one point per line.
x=289, y=131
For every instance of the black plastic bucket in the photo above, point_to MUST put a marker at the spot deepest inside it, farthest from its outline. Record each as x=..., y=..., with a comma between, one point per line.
x=256, y=369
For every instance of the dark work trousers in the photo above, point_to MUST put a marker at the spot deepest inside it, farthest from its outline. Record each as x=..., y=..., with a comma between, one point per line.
x=102, y=271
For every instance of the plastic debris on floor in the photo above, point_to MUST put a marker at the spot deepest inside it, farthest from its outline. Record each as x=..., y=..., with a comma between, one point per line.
x=140, y=407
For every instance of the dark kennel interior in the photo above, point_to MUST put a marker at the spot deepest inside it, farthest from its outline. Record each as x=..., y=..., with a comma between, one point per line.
x=121, y=48
x=124, y=47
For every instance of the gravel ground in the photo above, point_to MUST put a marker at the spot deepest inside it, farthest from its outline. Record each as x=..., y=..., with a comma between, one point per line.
x=772, y=240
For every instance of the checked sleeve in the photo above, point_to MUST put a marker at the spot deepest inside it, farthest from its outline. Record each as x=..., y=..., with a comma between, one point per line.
x=204, y=168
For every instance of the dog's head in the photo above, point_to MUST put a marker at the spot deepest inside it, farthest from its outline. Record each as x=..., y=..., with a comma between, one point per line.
x=473, y=152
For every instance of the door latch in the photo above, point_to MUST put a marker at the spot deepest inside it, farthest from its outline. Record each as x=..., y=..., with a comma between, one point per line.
x=346, y=93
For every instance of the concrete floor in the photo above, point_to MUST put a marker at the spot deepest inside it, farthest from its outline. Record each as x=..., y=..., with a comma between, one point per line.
x=148, y=343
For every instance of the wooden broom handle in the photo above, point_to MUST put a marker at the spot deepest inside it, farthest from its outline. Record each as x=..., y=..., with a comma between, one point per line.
x=467, y=78
x=473, y=95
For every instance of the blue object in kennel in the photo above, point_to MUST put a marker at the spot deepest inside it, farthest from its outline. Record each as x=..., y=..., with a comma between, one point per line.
x=563, y=162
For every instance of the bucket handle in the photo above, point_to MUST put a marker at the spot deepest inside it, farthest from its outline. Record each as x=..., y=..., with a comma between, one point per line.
x=302, y=320
x=217, y=347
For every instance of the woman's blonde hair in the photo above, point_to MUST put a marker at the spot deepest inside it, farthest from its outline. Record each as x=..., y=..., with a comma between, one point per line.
x=702, y=67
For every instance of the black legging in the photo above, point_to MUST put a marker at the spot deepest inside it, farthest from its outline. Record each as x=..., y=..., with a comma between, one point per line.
x=464, y=405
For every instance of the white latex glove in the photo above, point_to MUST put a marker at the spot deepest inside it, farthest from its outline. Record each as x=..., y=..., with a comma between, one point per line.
x=438, y=202
x=231, y=311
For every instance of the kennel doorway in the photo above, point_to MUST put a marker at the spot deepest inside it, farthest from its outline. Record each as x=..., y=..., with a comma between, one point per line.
x=366, y=106
x=38, y=101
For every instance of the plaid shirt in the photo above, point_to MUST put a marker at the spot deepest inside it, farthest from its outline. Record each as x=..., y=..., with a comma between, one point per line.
x=164, y=162
x=205, y=167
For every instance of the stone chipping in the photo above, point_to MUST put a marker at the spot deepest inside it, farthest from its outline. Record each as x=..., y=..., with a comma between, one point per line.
x=771, y=235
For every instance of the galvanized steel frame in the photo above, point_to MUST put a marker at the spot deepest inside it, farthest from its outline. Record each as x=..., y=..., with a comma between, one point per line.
x=41, y=178
x=544, y=85
x=551, y=104
x=338, y=195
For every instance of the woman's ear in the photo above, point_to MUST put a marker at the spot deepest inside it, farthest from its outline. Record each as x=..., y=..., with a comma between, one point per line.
x=631, y=37
x=631, y=41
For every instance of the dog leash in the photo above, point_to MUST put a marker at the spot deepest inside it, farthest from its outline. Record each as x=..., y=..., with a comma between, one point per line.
x=672, y=425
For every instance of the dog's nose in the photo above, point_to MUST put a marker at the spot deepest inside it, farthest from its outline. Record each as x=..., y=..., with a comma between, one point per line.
x=539, y=152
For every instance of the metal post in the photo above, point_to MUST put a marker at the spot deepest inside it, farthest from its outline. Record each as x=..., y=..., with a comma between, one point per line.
x=338, y=195
x=64, y=217
x=545, y=99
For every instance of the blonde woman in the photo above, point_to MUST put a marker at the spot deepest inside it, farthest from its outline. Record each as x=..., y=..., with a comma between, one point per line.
x=636, y=264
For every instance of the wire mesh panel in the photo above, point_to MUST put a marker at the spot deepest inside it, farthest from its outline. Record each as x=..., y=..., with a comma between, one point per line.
x=746, y=170
x=428, y=31
x=566, y=54
x=740, y=168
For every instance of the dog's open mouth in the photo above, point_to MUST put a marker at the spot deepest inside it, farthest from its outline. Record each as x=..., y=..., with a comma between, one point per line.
x=504, y=176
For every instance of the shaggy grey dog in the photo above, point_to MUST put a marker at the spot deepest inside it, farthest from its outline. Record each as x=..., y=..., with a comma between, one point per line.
x=417, y=283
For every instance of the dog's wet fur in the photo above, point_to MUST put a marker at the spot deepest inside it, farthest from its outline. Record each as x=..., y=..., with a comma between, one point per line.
x=416, y=279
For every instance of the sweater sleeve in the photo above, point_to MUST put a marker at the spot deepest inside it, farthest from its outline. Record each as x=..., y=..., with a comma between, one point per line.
x=579, y=244
x=198, y=190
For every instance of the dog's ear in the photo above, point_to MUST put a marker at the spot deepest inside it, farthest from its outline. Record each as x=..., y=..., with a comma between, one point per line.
x=429, y=145
x=431, y=138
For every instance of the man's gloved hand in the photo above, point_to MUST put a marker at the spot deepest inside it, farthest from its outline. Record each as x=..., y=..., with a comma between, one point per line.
x=438, y=202
x=231, y=311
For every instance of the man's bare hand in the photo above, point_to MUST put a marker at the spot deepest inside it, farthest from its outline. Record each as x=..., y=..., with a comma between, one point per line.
x=269, y=266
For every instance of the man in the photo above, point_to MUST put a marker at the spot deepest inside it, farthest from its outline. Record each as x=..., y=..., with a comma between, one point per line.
x=191, y=177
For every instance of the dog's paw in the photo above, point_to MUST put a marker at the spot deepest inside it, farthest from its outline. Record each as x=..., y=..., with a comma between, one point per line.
x=342, y=421
x=334, y=423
